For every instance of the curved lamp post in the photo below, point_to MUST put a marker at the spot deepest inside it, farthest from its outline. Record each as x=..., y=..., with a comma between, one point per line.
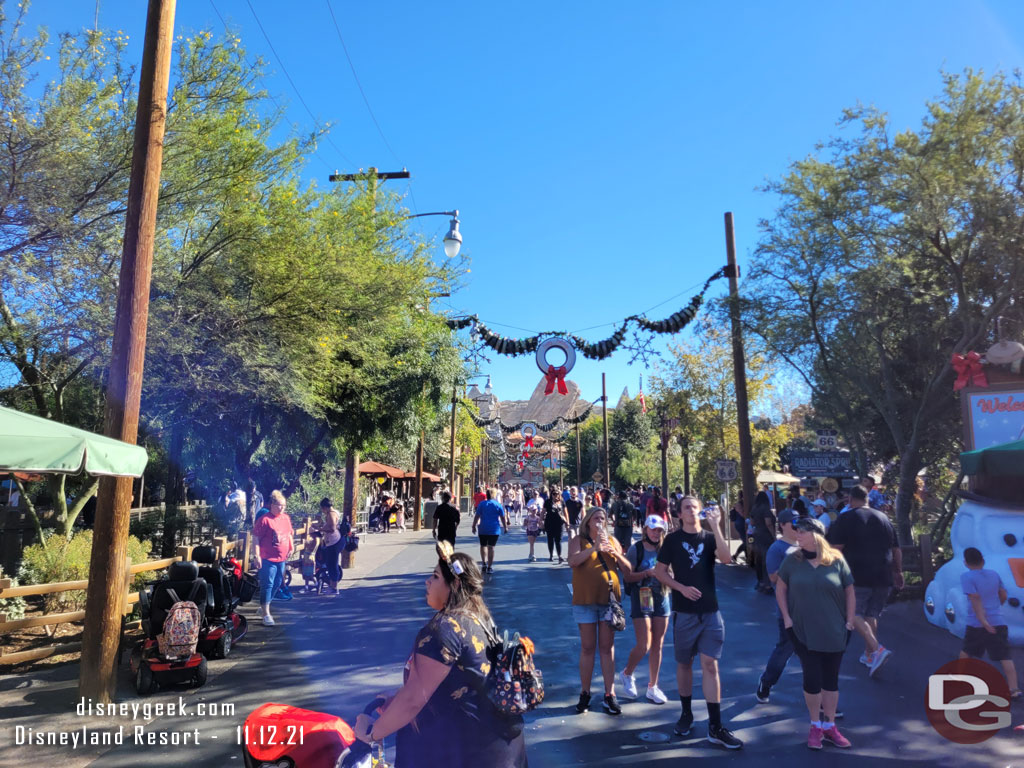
x=453, y=240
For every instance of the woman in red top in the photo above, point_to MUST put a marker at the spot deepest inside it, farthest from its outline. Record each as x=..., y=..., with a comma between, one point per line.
x=273, y=534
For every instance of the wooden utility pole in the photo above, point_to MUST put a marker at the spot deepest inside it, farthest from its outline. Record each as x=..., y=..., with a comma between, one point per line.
x=579, y=459
x=451, y=465
x=105, y=593
x=684, y=443
x=739, y=369
x=604, y=415
x=561, y=469
x=419, y=485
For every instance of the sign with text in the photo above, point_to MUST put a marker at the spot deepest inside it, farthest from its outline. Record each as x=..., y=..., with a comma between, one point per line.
x=827, y=438
x=725, y=470
x=993, y=416
x=820, y=464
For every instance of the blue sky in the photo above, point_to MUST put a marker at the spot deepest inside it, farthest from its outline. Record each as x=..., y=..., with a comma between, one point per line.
x=591, y=147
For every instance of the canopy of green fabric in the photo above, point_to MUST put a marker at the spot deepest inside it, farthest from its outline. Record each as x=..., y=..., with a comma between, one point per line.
x=33, y=444
x=1006, y=459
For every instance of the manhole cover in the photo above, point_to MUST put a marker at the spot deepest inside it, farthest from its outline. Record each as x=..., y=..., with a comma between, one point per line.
x=654, y=736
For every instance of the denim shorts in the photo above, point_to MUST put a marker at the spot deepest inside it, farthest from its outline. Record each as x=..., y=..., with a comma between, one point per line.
x=588, y=614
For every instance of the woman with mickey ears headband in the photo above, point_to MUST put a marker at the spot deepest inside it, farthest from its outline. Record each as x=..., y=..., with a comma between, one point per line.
x=818, y=604
x=441, y=713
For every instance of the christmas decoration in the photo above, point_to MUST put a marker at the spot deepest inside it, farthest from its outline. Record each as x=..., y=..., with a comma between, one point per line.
x=528, y=431
x=641, y=348
x=968, y=371
x=555, y=374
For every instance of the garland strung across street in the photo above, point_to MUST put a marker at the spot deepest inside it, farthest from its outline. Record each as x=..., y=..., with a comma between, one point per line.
x=508, y=429
x=569, y=344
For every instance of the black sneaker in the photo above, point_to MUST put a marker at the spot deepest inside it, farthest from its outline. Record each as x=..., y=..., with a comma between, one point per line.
x=684, y=724
x=611, y=705
x=584, y=703
x=763, y=693
x=719, y=734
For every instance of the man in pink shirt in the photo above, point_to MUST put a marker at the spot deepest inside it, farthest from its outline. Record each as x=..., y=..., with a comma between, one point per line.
x=273, y=534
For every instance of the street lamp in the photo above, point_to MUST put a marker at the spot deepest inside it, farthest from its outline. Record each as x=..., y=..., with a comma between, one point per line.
x=453, y=240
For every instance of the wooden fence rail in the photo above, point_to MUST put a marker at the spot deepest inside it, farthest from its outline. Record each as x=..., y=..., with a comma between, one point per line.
x=240, y=548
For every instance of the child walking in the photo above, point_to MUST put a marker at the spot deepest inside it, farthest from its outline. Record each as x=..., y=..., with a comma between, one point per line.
x=986, y=630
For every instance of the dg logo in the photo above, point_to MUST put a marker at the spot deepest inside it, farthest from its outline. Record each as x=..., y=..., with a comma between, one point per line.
x=968, y=701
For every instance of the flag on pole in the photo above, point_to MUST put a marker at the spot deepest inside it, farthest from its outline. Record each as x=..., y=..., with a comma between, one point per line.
x=643, y=402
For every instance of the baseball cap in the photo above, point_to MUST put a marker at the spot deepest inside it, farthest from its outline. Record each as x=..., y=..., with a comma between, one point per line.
x=819, y=503
x=656, y=521
x=810, y=524
x=788, y=516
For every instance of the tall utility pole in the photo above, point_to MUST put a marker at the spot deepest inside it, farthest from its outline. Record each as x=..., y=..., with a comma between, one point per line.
x=451, y=465
x=604, y=414
x=561, y=469
x=579, y=459
x=684, y=443
x=350, y=500
x=419, y=485
x=739, y=369
x=105, y=594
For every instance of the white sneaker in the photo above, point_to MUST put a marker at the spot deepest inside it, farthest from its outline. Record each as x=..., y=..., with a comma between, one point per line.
x=654, y=694
x=628, y=685
x=268, y=621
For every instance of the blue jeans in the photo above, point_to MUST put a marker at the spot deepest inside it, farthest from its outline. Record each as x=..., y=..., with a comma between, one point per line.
x=780, y=656
x=271, y=578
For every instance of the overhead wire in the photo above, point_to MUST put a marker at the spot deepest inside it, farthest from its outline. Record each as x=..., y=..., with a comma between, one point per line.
x=295, y=88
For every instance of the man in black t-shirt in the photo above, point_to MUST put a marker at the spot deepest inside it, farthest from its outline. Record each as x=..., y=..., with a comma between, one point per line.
x=446, y=519
x=697, y=625
x=868, y=543
x=574, y=511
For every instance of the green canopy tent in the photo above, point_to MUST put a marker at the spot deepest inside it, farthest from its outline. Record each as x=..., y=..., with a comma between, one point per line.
x=33, y=444
x=997, y=471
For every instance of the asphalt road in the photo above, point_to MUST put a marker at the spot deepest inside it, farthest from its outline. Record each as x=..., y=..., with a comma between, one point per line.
x=334, y=653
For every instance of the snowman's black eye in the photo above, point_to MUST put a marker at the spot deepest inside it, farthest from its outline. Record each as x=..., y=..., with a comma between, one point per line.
x=1010, y=540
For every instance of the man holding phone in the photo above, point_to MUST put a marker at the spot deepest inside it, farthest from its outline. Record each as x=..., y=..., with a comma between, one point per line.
x=697, y=625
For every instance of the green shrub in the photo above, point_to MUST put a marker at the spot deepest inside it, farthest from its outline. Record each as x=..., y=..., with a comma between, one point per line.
x=12, y=607
x=68, y=560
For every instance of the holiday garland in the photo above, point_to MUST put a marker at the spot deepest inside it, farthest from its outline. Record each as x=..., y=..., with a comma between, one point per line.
x=592, y=351
x=508, y=429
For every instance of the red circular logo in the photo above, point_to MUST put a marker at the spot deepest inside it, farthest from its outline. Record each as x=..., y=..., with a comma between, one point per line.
x=968, y=701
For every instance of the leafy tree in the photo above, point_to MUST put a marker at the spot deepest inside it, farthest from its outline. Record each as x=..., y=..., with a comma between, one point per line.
x=630, y=427
x=888, y=253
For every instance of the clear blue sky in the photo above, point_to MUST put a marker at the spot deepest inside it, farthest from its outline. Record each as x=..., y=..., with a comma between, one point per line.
x=591, y=147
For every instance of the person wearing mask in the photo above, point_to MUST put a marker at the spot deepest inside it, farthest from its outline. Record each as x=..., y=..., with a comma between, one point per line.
x=446, y=519
x=763, y=536
x=595, y=559
x=738, y=521
x=820, y=513
x=783, y=648
x=622, y=513
x=273, y=533
x=816, y=598
x=441, y=714
x=868, y=543
x=492, y=521
x=650, y=605
x=697, y=625
x=554, y=521
x=574, y=511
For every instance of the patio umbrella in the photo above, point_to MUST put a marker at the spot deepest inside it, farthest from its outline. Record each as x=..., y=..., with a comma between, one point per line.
x=776, y=478
x=33, y=444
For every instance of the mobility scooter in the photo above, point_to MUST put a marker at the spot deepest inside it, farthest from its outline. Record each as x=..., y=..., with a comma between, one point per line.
x=225, y=625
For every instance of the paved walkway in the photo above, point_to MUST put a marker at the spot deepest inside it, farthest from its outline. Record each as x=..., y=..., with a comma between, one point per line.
x=335, y=653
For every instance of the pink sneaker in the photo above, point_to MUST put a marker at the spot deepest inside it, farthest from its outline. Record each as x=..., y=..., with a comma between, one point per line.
x=814, y=737
x=835, y=737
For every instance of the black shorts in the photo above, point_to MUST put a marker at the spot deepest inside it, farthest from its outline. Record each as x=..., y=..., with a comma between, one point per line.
x=488, y=540
x=978, y=640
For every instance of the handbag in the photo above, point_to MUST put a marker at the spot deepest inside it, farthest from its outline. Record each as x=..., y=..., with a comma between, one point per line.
x=614, y=614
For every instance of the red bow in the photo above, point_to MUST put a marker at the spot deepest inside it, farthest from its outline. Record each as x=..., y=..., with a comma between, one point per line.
x=528, y=442
x=520, y=465
x=556, y=375
x=969, y=371
x=526, y=454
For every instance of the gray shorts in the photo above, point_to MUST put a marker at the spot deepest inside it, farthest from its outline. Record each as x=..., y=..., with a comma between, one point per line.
x=871, y=601
x=694, y=633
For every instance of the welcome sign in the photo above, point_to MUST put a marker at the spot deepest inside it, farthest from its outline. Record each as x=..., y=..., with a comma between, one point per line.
x=993, y=416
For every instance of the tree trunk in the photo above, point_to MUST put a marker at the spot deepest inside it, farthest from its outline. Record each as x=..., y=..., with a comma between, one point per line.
x=175, y=490
x=910, y=465
x=350, y=502
x=300, y=463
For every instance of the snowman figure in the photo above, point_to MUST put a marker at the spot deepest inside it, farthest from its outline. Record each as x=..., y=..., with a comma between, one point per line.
x=997, y=530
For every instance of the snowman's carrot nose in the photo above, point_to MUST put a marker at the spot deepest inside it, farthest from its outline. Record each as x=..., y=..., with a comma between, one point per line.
x=1017, y=569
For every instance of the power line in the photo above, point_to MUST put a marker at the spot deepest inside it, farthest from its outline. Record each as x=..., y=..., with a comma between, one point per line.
x=359, y=85
x=294, y=87
x=270, y=96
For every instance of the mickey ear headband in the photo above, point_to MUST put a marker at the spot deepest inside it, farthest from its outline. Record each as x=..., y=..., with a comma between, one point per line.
x=445, y=551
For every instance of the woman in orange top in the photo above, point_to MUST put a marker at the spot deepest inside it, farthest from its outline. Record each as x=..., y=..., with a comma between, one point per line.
x=595, y=559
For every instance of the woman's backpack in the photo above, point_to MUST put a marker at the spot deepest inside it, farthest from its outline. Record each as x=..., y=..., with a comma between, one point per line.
x=181, y=626
x=514, y=684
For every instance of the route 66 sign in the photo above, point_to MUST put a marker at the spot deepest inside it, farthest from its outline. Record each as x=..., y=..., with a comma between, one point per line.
x=725, y=470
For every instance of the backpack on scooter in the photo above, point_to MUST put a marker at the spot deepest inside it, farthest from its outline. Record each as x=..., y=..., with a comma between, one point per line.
x=181, y=627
